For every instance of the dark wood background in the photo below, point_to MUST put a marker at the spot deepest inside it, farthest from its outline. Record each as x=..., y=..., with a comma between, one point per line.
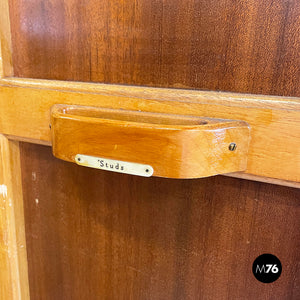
x=96, y=235
x=232, y=45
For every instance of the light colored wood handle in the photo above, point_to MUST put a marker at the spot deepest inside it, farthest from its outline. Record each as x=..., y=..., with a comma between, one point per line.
x=175, y=146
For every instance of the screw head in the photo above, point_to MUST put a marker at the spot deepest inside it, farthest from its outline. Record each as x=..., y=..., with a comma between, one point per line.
x=232, y=146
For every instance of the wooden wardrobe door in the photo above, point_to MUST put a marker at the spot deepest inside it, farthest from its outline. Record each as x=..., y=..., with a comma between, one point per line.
x=92, y=234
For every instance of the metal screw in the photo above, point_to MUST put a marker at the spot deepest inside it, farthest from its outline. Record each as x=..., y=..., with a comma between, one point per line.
x=147, y=170
x=78, y=159
x=232, y=147
x=50, y=126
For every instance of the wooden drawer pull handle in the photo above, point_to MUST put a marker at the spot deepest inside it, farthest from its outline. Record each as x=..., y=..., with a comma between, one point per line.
x=146, y=143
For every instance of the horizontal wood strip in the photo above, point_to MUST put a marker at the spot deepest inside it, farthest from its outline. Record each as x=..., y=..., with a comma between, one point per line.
x=178, y=95
x=275, y=136
x=241, y=175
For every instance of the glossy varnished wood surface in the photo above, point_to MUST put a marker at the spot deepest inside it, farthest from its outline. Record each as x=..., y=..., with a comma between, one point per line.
x=97, y=235
x=245, y=46
x=175, y=146
x=274, y=121
x=13, y=256
x=6, y=68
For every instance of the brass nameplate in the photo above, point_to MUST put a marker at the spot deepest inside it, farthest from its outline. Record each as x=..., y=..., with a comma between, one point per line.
x=114, y=165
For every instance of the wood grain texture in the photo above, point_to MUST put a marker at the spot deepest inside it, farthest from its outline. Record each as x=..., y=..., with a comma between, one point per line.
x=95, y=235
x=175, y=146
x=275, y=136
x=246, y=46
x=13, y=257
x=101, y=235
x=264, y=179
x=6, y=68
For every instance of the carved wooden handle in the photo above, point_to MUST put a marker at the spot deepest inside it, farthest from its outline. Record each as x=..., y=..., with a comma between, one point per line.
x=166, y=145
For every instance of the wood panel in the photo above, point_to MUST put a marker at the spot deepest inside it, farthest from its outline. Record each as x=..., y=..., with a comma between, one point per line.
x=100, y=235
x=6, y=68
x=13, y=258
x=247, y=46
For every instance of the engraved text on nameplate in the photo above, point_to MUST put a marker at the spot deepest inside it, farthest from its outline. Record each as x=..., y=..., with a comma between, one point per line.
x=114, y=165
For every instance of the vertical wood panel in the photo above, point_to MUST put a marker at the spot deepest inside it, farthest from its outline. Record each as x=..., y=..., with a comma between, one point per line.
x=6, y=68
x=101, y=235
x=13, y=259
